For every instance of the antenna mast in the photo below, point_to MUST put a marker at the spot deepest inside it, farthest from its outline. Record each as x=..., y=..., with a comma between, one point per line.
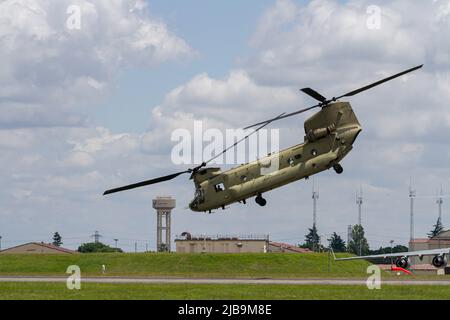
x=412, y=196
x=440, y=201
x=96, y=236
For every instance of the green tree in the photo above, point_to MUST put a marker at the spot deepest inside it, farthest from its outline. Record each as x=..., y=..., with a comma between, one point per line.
x=312, y=239
x=438, y=228
x=396, y=249
x=57, y=240
x=358, y=244
x=386, y=250
x=336, y=243
x=97, y=247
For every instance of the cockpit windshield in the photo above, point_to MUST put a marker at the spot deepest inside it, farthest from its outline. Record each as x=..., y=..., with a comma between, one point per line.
x=199, y=195
x=199, y=198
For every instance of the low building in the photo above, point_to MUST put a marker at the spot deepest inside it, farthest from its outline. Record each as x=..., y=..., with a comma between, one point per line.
x=37, y=248
x=187, y=243
x=440, y=241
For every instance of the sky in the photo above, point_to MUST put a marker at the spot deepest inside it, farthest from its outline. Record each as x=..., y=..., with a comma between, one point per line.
x=87, y=108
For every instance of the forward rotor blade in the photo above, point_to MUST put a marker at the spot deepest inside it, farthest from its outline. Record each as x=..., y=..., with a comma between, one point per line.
x=146, y=183
x=314, y=94
x=370, y=86
x=246, y=137
x=283, y=117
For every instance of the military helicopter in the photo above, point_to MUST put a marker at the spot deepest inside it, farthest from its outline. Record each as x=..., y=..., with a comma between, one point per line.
x=330, y=135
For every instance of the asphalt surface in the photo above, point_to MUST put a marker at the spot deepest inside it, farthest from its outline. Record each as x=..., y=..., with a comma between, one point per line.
x=119, y=280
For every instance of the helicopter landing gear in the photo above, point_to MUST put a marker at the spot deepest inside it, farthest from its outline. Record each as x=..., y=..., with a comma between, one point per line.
x=260, y=200
x=338, y=168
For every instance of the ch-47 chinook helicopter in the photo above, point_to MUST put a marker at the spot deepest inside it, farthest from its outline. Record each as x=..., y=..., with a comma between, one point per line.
x=330, y=135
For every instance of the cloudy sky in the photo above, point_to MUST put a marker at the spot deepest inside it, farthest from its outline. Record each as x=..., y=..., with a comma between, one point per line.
x=85, y=109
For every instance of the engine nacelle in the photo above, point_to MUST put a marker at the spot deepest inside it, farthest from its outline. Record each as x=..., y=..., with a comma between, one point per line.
x=317, y=134
x=440, y=261
x=403, y=262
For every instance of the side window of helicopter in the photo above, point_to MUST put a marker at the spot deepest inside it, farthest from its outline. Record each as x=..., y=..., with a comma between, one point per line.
x=219, y=187
x=298, y=156
x=314, y=152
x=244, y=178
x=291, y=161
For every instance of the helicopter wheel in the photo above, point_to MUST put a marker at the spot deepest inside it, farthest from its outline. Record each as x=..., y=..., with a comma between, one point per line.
x=338, y=168
x=261, y=201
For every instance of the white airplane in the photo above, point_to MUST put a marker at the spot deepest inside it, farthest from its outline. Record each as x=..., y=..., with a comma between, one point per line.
x=402, y=259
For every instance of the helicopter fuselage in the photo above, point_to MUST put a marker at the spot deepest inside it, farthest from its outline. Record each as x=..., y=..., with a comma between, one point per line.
x=330, y=135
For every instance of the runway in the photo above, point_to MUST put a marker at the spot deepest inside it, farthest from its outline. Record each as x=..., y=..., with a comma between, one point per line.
x=300, y=282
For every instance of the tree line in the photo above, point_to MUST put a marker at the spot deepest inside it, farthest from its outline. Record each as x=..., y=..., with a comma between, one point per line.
x=358, y=243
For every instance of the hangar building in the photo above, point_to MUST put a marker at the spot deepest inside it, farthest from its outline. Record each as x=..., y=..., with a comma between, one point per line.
x=440, y=241
x=37, y=248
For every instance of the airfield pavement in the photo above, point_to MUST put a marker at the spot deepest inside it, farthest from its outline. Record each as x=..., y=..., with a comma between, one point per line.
x=300, y=282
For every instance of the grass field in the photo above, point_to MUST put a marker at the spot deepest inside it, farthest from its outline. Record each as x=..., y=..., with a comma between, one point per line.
x=200, y=266
x=186, y=265
x=89, y=291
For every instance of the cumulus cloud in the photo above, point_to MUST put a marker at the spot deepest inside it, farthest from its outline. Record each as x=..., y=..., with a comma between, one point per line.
x=50, y=71
x=54, y=164
x=231, y=101
x=330, y=39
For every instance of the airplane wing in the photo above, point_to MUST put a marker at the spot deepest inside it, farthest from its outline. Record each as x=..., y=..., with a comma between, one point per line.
x=401, y=254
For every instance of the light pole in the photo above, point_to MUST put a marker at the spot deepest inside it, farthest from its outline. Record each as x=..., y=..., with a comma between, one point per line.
x=116, y=240
x=359, y=202
x=0, y=243
x=412, y=196
x=392, y=250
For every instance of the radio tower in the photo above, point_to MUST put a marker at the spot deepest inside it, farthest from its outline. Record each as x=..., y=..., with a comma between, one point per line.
x=412, y=196
x=315, y=197
x=440, y=201
x=359, y=202
x=96, y=236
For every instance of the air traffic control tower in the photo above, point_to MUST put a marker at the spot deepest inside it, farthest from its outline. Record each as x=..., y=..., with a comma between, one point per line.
x=163, y=206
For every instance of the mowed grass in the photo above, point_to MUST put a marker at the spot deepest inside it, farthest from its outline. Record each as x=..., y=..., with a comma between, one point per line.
x=90, y=291
x=186, y=265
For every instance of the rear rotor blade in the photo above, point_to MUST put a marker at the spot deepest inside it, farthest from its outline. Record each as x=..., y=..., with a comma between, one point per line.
x=370, y=86
x=324, y=102
x=146, y=183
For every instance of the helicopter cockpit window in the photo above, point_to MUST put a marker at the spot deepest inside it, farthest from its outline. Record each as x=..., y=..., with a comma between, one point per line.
x=219, y=187
x=314, y=152
x=199, y=195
